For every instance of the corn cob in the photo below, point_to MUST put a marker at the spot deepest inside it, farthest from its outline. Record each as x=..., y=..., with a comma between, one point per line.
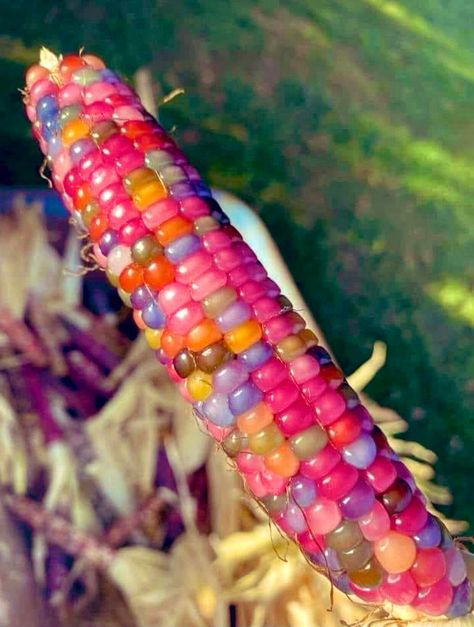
x=261, y=385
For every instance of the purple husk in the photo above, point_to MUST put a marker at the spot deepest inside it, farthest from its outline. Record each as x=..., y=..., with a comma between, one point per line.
x=87, y=343
x=40, y=404
x=86, y=372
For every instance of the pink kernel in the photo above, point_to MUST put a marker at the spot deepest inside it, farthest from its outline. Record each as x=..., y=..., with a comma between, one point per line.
x=41, y=88
x=254, y=483
x=313, y=388
x=436, y=599
x=369, y=595
x=249, y=462
x=62, y=164
x=295, y=418
x=275, y=484
x=115, y=146
x=252, y=290
x=126, y=113
x=194, y=207
x=31, y=112
x=278, y=328
x=98, y=91
x=412, y=519
x=399, y=588
x=215, y=241
x=376, y=524
x=266, y=308
x=270, y=288
x=310, y=542
x=133, y=230
x=159, y=212
x=102, y=177
x=339, y=481
x=380, y=474
x=129, y=161
x=217, y=432
x=282, y=396
x=304, y=368
x=208, y=282
x=173, y=296
x=227, y=259
x=97, y=112
x=72, y=181
x=122, y=213
x=323, y=516
x=193, y=266
x=429, y=567
x=268, y=376
x=246, y=253
x=69, y=95
x=321, y=464
x=89, y=163
x=111, y=196
x=183, y=320
x=329, y=406
x=240, y=275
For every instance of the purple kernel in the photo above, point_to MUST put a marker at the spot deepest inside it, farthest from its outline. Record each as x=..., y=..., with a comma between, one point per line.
x=216, y=409
x=244, y=398
x=360, y=453
x=153, y=315
x=303, y=491
x=182, y=247
x=358, y=502
x=255, y=356
x=237, y=313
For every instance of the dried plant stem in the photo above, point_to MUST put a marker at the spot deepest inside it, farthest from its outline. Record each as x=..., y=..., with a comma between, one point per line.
x=118, y=533
x=60, y=532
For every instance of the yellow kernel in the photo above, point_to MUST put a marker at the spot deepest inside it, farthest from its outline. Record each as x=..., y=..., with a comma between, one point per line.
x=243, y=336
x=148, y=194
x=199, y=385
x=153, y=337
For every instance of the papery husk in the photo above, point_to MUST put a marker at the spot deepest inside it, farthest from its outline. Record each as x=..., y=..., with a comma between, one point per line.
x=20, y=600
x=125, y=436
x=65, y=494
x=13, y=454
x=126, y=433
x=37, y=265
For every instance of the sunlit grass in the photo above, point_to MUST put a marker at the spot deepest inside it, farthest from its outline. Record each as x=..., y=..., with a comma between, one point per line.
x=420, y=166
x=456, y=297
x=460, y=63
x=15, y=50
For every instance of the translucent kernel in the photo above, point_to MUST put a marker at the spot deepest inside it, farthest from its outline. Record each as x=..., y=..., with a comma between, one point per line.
x=148, y=194
x=395, y=552
x=202, y=335
x=243, y=336
x=74, y=130
x=282, y=461
x=265, y=441
x=199, y=385
x=137, y=178
x=153, y=337
x=290, y=348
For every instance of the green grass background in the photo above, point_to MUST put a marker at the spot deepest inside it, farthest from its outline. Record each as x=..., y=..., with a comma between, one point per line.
x=348, y=124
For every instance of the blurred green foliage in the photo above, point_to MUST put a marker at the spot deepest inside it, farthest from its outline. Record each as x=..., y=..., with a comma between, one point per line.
x=348, y=124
